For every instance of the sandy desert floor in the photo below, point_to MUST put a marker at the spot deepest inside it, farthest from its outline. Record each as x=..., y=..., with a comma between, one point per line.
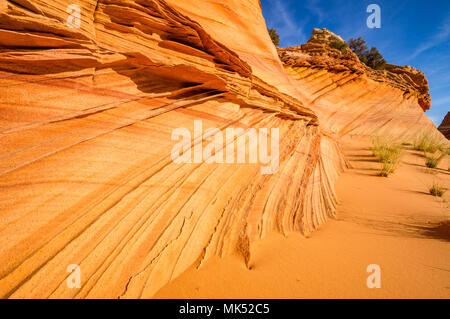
x=392, y=222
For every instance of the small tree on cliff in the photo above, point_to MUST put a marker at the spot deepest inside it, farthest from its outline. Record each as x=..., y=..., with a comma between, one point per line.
x=375, y=59
x=338, y=44
x=274, y=36
x=371, y=58
x=359, y=47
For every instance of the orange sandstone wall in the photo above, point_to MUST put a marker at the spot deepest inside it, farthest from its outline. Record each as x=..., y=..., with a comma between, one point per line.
x=354, y=101
x=86, y=175
x=241, y=27
x=351, y=105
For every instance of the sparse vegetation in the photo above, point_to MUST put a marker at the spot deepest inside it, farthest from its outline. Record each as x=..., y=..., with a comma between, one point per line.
x=375, y=60
x=434, y=160
x=387, y=169
x=388, y=154
x=359, y=47
x=385, y=150
x=339, y=44
x=430, y=145
x=274, y=36
x=431, y=162
x=371, y=58
x=427, y=143
x=437, y=190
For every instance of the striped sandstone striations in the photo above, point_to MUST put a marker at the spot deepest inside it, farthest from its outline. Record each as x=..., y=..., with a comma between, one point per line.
x=86, y=175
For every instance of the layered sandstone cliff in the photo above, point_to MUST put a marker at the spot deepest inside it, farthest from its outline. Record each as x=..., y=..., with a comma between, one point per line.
x=86, y=173
x=352, y=99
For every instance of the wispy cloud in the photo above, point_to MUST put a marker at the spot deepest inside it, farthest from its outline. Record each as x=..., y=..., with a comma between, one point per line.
x=314, y=7
x=441, y=101
x=284, y=14
x=442, y=36
x=291, y=30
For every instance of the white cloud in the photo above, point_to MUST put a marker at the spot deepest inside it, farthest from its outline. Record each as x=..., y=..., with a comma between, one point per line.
x=289, y=29
x=314, y=7
x=441, y=101
x=442, y=36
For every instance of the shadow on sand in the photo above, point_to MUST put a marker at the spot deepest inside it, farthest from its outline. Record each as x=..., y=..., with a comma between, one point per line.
x=439, y=231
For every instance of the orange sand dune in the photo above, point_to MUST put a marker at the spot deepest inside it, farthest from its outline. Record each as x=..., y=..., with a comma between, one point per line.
x=391, y=222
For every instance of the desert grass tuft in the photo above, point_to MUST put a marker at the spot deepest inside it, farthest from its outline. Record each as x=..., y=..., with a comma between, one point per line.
x=437, y=190
x=427, y=143
x=387, y=169
x=388, y=154
x=432, y=161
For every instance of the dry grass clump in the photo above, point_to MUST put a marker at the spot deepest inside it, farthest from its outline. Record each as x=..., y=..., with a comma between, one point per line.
x=427, y=143
x=437, y=190
x=388, y=154
x=387, y=169
x=433, y=160
x=430, y=145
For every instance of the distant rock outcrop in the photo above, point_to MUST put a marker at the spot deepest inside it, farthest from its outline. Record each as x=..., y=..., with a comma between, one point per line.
x=444, y=128
x=317, y=52
x=350, y=98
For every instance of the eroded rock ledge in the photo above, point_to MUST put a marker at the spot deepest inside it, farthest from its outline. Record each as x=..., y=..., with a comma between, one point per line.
x=317, y=52
x=353, y=100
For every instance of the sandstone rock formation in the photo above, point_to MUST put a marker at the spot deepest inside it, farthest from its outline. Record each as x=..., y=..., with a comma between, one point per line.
x=352, y=99
x=444, y=128
x=86, y=175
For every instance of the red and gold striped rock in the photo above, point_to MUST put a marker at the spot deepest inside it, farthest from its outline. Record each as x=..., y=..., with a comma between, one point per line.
x=86, y=175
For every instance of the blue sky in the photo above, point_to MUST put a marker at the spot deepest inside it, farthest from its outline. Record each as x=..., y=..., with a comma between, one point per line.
x=413, y=32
